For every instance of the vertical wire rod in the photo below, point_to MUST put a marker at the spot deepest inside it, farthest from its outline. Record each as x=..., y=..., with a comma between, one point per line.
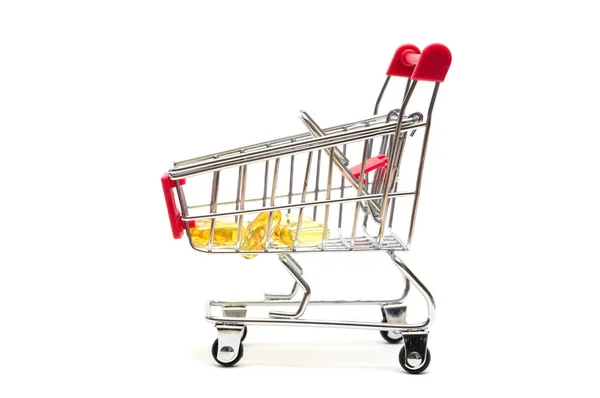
x=391, y=175
x=413, y=216
x=213, y=207
x=303, y=199
x=360, y=185
x=273, y=192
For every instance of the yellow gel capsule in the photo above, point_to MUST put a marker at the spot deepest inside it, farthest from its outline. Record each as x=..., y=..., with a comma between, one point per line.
x=311, y=233
x=226, y=233
x=255, y=238
x=287, y=219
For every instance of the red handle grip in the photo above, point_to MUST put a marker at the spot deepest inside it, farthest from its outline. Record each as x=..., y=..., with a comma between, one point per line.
x=177, y=224
x=398, y=67
x=431, y=64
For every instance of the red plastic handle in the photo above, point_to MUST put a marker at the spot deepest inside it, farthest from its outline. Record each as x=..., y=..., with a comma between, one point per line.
x=177, y=224
x=370, y=165
x=399, y=67
x=431, y=65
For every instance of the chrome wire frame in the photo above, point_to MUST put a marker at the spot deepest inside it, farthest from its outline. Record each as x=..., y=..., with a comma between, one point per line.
x=368, y=197
x=373, y=195
x=294, y=319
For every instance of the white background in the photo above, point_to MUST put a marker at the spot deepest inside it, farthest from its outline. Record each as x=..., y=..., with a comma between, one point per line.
x=97, y=98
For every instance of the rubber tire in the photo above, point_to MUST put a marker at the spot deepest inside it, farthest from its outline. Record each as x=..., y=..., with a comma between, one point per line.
x=387, y=337
x=215, y=348
x=411, y=370
x=244, y=333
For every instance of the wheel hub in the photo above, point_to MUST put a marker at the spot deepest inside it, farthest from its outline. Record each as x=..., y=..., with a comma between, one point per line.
x=226, y=354
x=414, y=359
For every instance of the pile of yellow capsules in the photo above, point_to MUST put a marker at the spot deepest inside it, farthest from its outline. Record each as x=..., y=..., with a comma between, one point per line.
x=284, y=230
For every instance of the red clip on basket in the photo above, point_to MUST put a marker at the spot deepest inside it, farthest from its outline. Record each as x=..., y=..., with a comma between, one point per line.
x=177, y=224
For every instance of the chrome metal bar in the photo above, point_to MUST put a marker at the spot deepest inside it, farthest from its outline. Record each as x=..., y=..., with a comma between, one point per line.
x=270, y=297
x=274, y=185
x=242, y=203
x=213, y=208
x=360, y=189
x=303, y=199
x=347, y=244
x=413, y=216
x=387, y=80
x=273, y=190
x=292, y=303
x=406, y=88
x=306, y=177
x=292, y=319
x=391, y=203
x=237, y=193
x=388, y=327
x=386, y=144
x=260, y=199
x=287, y=296
x=214, y=192
x=294, y=206
x=341, y=162
x=340, y=159
x=392, y=170
x=316, y=131
x=317, y=182
x=262, y=145
x=342, y=185
x=396, y=242
x=291, y=190
x=373, y=121
x=392, y=208
x=293, y=268
x=331, y=245
x=328, y=197
x=277, y=297
x=289, y=149
x=416, y=116
x=266, y=184
x=184, y=210
x=419, y=285
x=369, y=153
x=182, y=202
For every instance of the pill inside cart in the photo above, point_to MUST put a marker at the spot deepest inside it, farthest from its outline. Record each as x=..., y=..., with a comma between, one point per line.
x=256, y=235
x=226, y=233
x=311, y=232
x=284, y=228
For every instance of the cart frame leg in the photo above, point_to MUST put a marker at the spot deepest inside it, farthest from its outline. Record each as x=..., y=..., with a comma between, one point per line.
x=420, y=287
x=294, y=269
x=286, y=296
x=393, y=308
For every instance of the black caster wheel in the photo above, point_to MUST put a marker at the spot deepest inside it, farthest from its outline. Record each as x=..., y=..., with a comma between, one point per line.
x=391, y=337
x=410, y=369
x=215, y=348
x=244, y=333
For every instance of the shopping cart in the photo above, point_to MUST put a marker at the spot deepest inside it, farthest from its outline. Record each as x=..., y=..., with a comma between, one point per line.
x=309, y=175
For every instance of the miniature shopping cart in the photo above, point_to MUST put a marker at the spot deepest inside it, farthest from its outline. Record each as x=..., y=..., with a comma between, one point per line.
x=347, y=178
